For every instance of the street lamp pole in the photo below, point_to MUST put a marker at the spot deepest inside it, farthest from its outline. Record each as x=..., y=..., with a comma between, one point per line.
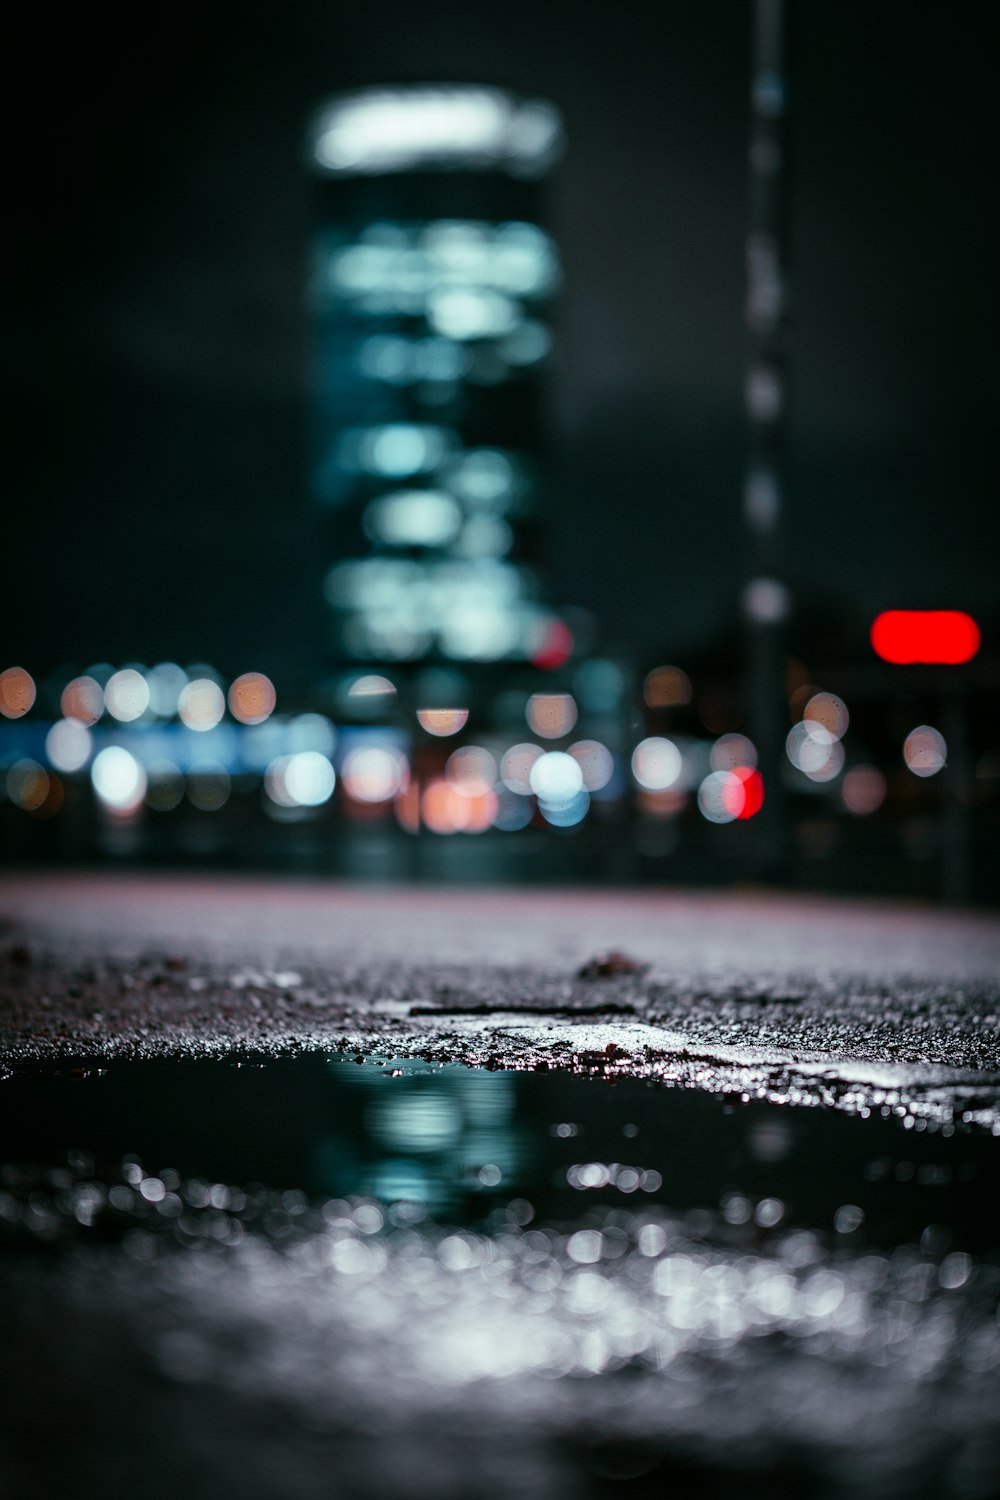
x=766, y=597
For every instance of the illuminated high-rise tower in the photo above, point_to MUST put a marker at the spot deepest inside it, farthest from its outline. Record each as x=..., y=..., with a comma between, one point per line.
x=431, y=276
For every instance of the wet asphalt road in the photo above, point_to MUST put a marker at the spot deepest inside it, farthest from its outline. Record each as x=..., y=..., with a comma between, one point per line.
x=266, y=1341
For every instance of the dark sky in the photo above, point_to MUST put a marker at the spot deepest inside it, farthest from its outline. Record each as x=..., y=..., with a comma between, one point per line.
x=159, y=366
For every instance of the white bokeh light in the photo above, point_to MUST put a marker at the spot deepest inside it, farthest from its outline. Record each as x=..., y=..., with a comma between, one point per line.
x=118, y=779
x=68, y=745
x=201, y=704
x=126, y=695
x=656, y=764
x=925, y=751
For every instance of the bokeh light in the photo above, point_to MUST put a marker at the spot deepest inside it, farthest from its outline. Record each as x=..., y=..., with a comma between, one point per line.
x=863, y=790
x=201, y=704
x=513, y=812
x=373, y=773
x=27, y=784
x=310, y=732
x=165, y=785
x=369, y=696
x=166, y=681
x=442, y=721
x=83, y=700
x=118, y=779
x=925, y=751
x=446, y=810
x=309, y=779
x=667, y=687
x=753, y=791
x=944, y=636
x=554, y=648
x=252, y=698
x=551, y=715
x=829, y=711
x=656, y=763
x=471, y=770
x=305, y=779
x=516, y=764
x=721, y=797
x=126, y=695
x=556, y=778
x=208, y=786
x=814, y=751
x=565, y=814
x=17, y=692
x=68, y=745
x=732, y=750
x=597, y=764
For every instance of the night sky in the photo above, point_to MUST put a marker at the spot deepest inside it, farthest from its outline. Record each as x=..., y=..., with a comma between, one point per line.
x=158, y=370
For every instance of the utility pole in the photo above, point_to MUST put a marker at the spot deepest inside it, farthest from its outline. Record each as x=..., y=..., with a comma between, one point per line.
x=766, y=597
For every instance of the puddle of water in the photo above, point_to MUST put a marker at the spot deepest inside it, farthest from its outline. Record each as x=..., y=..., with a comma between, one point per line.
x=464, y=1144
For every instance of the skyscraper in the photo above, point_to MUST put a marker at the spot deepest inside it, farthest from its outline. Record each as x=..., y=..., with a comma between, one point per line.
x=430, y=279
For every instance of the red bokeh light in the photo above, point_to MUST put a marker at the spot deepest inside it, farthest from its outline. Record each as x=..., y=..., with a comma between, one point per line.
x=555, y=647
x=945, y=637
x=753, y=791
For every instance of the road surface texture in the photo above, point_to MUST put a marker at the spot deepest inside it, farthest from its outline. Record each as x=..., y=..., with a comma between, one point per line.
x=712, y=1313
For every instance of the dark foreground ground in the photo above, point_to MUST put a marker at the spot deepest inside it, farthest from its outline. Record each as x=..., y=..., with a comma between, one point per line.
x=314, y=1191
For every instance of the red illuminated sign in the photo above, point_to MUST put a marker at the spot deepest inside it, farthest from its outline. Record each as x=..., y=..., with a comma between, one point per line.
x=944, y=637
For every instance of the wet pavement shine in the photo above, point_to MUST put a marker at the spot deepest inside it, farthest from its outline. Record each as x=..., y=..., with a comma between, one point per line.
x=312, y=1191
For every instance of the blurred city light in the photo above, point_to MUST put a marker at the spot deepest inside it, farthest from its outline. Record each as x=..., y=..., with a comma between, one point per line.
x=68, y=745
x=252, y=698
x=17, y=692
x=383, y=130
x=814, y=751
x=732, y=750
x=551, y=715
x=925, y=751
x=656, y=764
x=126, y=695
x=83, y=700
x=863, y=790
x=27, y=784
x=597, y=764
x=201, y=704
x=118, y=779
x=208, y=786
x=516, y=766
x=667, y=687
x=373, y=773
x=829, y=711
x=442, y=721
x=943, y=636
x=555, y=778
